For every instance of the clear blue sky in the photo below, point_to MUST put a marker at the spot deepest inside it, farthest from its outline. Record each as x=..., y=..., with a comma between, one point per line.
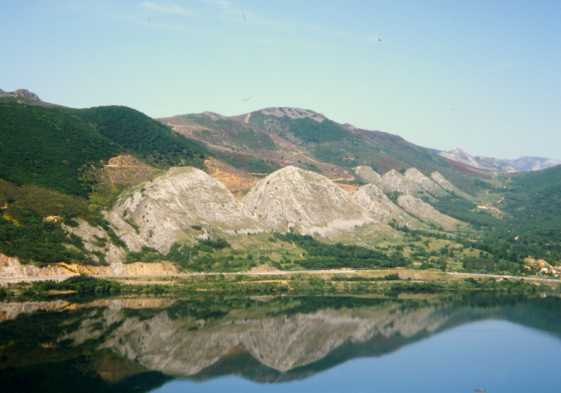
x=484, y=75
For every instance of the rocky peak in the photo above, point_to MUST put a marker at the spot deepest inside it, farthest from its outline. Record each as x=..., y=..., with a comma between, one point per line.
x=160, y=212
x=393, y=181
x=293, y=113
x=380, y=207
x=293, y=198
x=21, y=94
x=425, y=184
x=368, y=174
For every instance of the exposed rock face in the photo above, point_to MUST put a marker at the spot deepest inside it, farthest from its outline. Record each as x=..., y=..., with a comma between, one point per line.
x=368, y=174
x=305, y=201
x=164, y=210
x=424, y=183
x=426, y=212
x=380, y=207
x=22, y=94
x=96, y=241
x=393, y=181
x=293, y=113
x=12, y=270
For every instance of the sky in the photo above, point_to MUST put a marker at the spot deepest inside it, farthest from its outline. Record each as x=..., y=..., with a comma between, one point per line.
x=483, y=75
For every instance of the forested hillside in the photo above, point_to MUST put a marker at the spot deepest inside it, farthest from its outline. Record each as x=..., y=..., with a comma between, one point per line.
x=52, y=146
x=532, y=202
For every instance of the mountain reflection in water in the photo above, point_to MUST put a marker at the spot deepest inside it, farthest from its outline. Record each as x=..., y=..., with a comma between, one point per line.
x=138, y=345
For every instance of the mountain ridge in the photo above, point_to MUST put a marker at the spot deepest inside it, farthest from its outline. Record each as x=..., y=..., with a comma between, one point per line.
x=520, y=164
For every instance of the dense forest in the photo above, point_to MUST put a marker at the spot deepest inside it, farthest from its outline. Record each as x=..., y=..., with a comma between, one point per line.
x=52, y=146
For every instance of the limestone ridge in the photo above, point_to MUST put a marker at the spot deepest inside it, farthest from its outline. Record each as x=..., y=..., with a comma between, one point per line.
x=393, y=181
x=186, y=204
x=380, y=207
x=367, y=174
x=184, y=201
x=426, y=212
x=293, y=198
x=409, y=208
x=424, y=183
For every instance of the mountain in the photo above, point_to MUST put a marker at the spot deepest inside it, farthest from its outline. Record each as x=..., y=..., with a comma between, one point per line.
x=21, y=96
x=382, y=209
x=295, y=199
x=181, y=204
x=107, y=185
x=523, y=164
x=275, y=137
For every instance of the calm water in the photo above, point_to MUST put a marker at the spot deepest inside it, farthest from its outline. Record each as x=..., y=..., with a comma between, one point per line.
x=282, y=345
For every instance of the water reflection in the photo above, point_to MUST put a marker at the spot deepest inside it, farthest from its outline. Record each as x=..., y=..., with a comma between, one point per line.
x=137, y=345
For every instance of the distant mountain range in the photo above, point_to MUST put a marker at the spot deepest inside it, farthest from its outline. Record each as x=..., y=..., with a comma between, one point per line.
x=522, y=164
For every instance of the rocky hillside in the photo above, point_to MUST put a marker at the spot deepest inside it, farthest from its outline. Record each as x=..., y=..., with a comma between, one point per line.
x=272, y=138
x=293, y=198
x=123, y=183
x=380, y=207
x=182, y=203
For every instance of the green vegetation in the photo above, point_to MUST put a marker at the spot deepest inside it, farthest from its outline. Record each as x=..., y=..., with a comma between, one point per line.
x=465, y=211
x=49, y=147
x=310, y=131
x=332, y=256
x=27, y=235
x=246, y=162
x=81, y=285
x=52, y=146
x=48, y=163
x=136, y=133
x=532, y=226
x=231, y=133
x=203, y=256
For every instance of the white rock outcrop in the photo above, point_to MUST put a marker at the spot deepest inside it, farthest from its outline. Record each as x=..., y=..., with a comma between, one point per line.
x=380, y=207
x=293, y=198
x=170, y=207
x=424, y=183
x=426, y=212
x=393, y=181
x=367, y=174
